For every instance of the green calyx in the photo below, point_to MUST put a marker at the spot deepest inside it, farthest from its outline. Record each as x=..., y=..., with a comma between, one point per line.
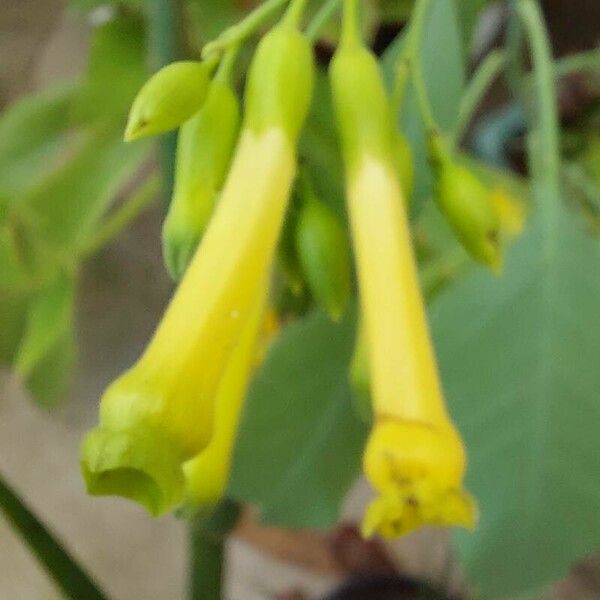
x=465, y=202
x=170, y=97
x=361, y=105
x=204, y=150
x=280, y=82
x=323, y=252
x=138, y=464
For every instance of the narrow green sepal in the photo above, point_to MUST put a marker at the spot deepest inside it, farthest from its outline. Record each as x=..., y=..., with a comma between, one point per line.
x=138, y=464
x=170, y=97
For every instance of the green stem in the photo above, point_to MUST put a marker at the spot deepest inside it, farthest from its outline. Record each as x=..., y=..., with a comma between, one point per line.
x=413, y=57
x=583, y=61
x=227, y=66
x=74, y=582
x=294, y=12
x=206, y=555
x=238, y=33
x=351, y=33
x=207, y=539
x=327, y=11
x=124, y=215
x=546, y=150
x=478, y=86
x=166, y=45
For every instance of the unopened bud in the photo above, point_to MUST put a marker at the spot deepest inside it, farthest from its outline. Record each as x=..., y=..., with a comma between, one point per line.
x=466, y=203
x=323, y=251
x=170, y=97
x=204, y=150
x=280, y=82
x=361, y=104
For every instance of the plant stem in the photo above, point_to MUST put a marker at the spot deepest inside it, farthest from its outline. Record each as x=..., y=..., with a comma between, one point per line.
x=413, y=58
x=584, y=61
x=70, y=577
x=323, y=16
x=546, y=151
x=351, y=33
x=479, y=84
x=206, y=569
x=238, y=33
x=294, y=12
x=124, y=215
x=207, y=538
x=166, y=44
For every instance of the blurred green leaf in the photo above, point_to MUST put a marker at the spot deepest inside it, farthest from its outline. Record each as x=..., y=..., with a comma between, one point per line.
x=49, y=319
x=443, y=68
x=66, y=208
x=116, y=71
x=31, y=131
x=212, y=16
x=519, y=360
x=13, y=314
x=300, y=443
x=49, y=380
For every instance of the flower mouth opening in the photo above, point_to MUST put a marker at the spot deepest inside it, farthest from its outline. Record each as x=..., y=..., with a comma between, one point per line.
x=137, y=466
x=128, y=483
x=396, y=513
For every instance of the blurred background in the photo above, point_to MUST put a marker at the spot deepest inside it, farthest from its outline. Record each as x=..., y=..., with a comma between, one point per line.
x=121, y=292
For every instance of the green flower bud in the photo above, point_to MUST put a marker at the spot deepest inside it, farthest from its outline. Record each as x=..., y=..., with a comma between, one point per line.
x=323, y=251
x=204, y=149
x=280, y=82
x=361, y=104
x=467, y=204
x=170, y=97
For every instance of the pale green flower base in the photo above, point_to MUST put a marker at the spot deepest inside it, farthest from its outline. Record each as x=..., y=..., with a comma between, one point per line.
x=139, y=465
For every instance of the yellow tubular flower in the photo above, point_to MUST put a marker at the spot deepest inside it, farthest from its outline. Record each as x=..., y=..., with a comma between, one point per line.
x=160, y=413
x=414, y=457
x=206, y=475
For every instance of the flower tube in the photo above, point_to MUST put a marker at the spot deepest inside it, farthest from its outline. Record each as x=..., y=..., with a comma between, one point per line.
x=160, y=413
x=414, y=457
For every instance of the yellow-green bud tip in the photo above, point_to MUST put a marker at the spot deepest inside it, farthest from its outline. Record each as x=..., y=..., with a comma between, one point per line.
x=170, y=97
x=138, y=465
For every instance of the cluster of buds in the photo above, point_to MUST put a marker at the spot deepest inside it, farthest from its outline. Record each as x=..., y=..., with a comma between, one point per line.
x=168, y=425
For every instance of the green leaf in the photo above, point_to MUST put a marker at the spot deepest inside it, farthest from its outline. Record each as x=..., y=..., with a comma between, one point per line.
x=443, y=69
x=116, y=71
x=519, y=361
x=49, y=380
x=13, y=314
x=67, y=207
x=30, y=133
x=300, y=443
x=212, y=16
x=49, y=319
